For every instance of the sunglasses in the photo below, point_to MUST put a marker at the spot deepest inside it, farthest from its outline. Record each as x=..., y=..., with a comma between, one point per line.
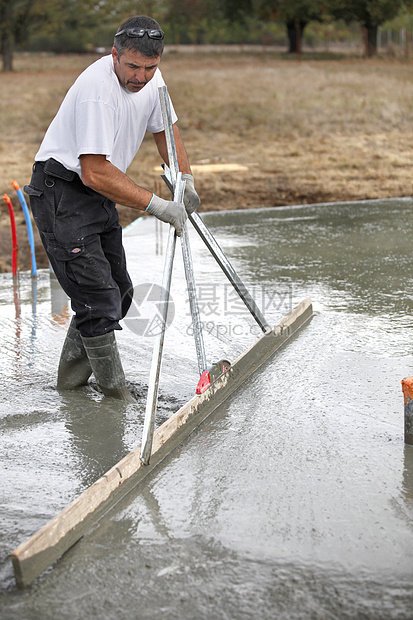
x=140, y=32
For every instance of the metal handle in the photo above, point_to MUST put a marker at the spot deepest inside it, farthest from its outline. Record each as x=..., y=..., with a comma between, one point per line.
x=151, y=402
x=193, y=301
x=223, y=262
x=153, y=386
x=186, y=250
x=229, y=271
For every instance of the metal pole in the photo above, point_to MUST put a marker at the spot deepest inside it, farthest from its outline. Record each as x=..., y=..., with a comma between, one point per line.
x=222, y=261
x=186, y=250
x=193, y=301
x=151, y=402
x=169, y=133
x=229, y=271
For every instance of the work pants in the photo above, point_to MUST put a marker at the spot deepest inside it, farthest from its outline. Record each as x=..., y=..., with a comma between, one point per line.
x=81, y=234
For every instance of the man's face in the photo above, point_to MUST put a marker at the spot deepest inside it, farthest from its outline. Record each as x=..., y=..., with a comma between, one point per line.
x=133, y=69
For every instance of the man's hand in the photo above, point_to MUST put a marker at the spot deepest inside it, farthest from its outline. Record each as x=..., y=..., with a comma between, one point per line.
x=167, y=211
x=191, y=198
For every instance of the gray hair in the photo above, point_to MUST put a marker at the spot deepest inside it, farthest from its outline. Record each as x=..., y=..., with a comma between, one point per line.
x=146, y=46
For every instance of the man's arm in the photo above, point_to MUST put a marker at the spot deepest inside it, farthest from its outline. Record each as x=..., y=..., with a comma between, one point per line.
x=183, y=161
x=101, y=175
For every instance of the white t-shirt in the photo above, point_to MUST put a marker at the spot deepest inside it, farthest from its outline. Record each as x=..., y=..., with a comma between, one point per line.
x=99, y=116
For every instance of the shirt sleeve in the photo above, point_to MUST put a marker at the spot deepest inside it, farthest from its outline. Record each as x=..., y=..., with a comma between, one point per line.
x=94, y=128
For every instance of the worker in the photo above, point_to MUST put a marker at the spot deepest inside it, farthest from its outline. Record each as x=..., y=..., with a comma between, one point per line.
x=79, y=175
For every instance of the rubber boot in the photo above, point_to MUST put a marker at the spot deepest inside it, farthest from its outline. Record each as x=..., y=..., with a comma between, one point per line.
x=74, y=366
x=104, y=359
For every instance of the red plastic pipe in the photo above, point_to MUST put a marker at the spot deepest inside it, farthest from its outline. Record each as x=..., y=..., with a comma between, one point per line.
x=29, y=226
x=15, y=251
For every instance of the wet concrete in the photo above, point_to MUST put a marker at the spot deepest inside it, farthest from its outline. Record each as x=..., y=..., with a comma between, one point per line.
x=295, y=499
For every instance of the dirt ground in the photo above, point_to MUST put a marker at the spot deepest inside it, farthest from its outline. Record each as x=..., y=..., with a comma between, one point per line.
x=261, y=130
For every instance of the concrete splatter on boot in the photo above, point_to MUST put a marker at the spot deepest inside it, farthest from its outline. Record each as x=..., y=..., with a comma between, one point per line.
x=74, y=366
x=106, y=365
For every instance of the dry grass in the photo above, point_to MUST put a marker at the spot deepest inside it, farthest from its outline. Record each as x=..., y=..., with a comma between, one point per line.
x=308, y=131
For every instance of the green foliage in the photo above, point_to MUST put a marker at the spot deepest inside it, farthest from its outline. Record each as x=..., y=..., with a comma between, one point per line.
x=369, y=13
x=403, y=19
x=45, y=20
x=238, y=11
x=291, y=10
x=323, y=33
x=81, y=25
x=17, y=17
x=189, y=21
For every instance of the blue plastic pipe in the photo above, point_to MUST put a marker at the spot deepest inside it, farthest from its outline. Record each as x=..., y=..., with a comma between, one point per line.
x=28, y=224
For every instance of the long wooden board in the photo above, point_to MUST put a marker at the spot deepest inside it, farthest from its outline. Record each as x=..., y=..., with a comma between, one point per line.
x=47, y=545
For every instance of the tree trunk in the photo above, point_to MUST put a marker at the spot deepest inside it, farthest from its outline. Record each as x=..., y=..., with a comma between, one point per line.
x=7, y=52
x=295, y=29
x=6, y=41
x=370, y=40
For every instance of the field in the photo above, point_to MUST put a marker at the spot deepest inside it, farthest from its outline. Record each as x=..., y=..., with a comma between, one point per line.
x=261, y=129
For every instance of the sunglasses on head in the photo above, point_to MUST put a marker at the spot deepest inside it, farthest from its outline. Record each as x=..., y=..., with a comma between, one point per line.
x=140, y=32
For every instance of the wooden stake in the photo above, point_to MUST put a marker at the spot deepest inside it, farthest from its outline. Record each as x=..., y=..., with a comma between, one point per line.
x=407, y=386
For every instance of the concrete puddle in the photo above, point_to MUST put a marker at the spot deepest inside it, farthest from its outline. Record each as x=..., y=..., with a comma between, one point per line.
x=295, y=498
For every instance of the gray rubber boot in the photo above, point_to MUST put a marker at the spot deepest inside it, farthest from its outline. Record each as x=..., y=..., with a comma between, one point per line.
x=74, y=366
x=104, y=359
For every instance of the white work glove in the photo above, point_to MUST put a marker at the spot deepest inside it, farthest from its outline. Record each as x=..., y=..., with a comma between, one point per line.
x=191, y=198
x=167, y=211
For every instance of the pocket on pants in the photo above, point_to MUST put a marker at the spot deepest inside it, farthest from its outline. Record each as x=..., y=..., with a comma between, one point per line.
x=61, y=252
x=33, y=191
x=43, y=219
x=85, y=264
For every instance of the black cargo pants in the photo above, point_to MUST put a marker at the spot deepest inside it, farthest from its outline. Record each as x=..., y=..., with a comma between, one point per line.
x=81, y=234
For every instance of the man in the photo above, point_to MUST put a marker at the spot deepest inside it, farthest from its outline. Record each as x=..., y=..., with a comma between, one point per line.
x=79, y=175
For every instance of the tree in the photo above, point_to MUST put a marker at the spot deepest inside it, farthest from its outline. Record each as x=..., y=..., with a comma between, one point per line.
x=16, y=18
x=370, y=14
x=296, y=14
x=5, y=34
x=20, y=18
x=188, y=21
x=237, y=10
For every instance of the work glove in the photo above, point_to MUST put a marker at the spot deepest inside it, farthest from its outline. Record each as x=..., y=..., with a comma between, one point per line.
x=191, y=198
x=167, y=211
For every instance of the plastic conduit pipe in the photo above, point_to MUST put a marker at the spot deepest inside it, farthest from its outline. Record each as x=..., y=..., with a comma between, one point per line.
x=15, y=251
x=28, y=225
